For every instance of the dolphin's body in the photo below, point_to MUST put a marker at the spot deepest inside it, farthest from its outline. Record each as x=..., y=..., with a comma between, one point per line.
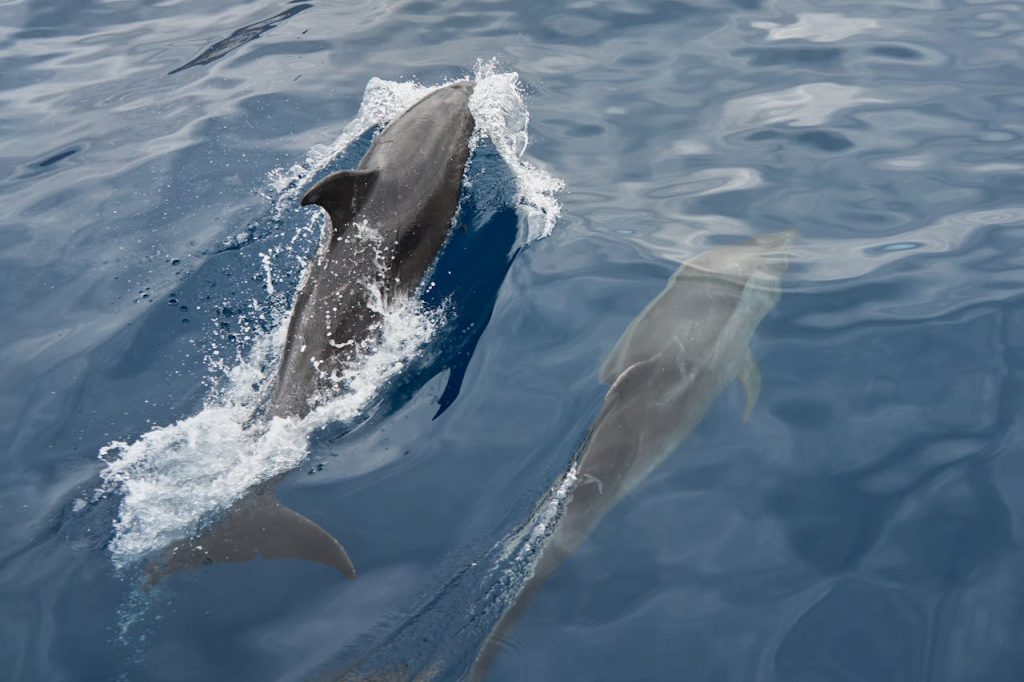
x=675, y=358
x=389, y=219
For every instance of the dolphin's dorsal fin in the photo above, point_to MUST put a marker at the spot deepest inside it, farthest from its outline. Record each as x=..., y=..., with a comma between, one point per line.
x=750, y=377
x=257, y=527
x=342, y=194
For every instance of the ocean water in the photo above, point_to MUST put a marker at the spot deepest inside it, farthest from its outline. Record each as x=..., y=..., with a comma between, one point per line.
x=864, y=523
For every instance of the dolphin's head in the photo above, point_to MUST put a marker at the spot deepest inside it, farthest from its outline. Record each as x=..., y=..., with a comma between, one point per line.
x=465, y=86
x=442, y=110
x=757, y=264
x=772, y=253
x=779, y=241
x=764, y=260
x=451, y=97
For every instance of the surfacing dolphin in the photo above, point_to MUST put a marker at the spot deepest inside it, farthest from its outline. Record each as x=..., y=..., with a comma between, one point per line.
x=406, y=191
x=674, y=359
x=389, y=219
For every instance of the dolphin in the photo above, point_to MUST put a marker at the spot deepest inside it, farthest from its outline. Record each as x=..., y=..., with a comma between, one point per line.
x=389, y=218
x=686, y=346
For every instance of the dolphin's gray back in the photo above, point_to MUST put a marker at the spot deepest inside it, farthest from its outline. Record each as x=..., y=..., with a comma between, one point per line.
x=669, y=319
x=421, y=158
x=710, y=301
x=389, y=219
x=675, y=358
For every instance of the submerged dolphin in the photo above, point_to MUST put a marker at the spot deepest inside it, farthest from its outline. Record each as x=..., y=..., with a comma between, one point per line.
x=675, y=358
x=389, y=219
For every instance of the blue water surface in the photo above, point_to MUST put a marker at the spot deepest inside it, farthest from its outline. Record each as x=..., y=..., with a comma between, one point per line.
x=864, y=524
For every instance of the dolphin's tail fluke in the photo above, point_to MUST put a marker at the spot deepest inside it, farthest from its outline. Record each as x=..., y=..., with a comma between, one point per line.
x=257, y=527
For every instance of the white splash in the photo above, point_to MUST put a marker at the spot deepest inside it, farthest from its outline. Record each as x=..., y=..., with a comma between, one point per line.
x=501, y=115
x=527, y=542
x=268, y=271
x=174, y=478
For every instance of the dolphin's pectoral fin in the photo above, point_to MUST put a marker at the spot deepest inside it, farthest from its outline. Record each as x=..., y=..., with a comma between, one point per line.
x=750, y=377
x=342, y=194
x=258, y=527
x=590, y=478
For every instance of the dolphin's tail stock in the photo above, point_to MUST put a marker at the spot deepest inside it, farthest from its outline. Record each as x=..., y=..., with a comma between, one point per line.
x=258, y=526
x=498, y=635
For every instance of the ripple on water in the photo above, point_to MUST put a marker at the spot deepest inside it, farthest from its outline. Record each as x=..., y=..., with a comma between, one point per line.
x=820, y=27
